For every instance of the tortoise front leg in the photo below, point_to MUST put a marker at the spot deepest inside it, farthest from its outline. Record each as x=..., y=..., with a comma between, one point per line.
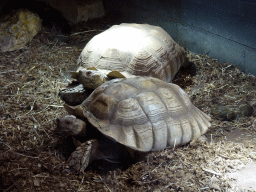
x=83, y=155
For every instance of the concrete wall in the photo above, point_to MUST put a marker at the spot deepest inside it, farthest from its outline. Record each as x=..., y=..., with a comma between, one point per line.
x=225, y=29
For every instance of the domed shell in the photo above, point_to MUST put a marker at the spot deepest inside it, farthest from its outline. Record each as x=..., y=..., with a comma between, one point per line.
x=144, y=113
x=139, y=49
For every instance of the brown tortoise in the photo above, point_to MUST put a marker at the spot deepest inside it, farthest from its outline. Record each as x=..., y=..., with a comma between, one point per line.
x=142, y=114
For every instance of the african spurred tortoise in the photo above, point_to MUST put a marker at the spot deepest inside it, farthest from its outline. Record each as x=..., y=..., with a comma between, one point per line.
x=133, y=50
x=142, y=114
x=125, y=50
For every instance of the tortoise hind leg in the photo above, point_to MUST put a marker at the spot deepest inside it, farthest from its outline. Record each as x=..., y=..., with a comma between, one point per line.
x=83, y=155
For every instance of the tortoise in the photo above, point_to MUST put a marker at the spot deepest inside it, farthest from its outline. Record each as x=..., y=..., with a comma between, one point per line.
x=125, y=50
x=133, y=50
x=140, y=114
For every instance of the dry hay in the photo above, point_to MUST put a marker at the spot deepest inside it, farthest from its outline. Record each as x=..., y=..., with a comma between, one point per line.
x=30, y=161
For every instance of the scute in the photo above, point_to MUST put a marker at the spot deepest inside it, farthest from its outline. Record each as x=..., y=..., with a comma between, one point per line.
x=139, y=49
x=152, y=106
x=103, y=106
x=172, y=101
x=143, y=84
x=143, y=117
x=128, y=113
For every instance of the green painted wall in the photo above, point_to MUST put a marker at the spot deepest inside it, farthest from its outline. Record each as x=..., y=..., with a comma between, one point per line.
x=224, y=29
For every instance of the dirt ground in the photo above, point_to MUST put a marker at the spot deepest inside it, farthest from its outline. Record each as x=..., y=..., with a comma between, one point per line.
x=33, y=157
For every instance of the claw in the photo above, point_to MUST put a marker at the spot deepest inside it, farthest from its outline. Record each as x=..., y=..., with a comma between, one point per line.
x=84, y=155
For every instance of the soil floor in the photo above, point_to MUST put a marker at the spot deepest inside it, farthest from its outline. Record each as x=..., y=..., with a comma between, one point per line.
x=33, y=156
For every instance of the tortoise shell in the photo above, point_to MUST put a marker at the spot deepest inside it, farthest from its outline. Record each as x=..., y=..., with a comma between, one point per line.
x=143, y=113
x=138, y=49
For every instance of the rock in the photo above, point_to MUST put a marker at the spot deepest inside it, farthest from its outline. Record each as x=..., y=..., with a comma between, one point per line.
x=231, y=112
x=245, y=110
x=51, y=18
x=17, y=29
x=36, y=183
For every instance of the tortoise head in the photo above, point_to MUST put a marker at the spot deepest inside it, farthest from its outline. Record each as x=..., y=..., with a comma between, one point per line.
x=70, y=125
x=89, y=78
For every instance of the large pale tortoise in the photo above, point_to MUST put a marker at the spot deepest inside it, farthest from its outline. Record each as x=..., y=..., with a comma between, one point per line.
x=134, y=49
x=142, y=114
x=129, y=50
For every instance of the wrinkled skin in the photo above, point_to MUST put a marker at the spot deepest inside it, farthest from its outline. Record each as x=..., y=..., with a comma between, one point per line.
x=70, y=125
x=91, y=145
x=91, y=78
